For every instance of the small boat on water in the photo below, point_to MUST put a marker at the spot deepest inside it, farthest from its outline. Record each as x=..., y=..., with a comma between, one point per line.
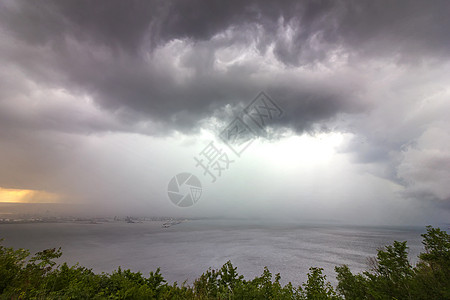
x=170, y=223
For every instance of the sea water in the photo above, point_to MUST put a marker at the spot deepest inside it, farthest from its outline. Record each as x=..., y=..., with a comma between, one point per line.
x=184, y=251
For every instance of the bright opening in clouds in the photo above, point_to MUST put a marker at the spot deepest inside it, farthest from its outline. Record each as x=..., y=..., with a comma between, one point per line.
x=102, y=104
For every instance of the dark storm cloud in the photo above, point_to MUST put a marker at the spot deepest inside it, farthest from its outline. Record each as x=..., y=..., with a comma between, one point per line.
x=102, y=49
x=74, y=68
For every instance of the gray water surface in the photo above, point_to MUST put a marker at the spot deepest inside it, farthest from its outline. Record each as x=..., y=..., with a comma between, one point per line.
x=186, y=250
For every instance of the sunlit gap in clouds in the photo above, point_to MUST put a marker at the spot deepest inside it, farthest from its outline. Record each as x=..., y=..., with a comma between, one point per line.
x=27, y=196
x=305, y=148
x=290, y=147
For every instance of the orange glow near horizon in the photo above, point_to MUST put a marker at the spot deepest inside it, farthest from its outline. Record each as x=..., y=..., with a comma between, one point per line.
x=27, y=196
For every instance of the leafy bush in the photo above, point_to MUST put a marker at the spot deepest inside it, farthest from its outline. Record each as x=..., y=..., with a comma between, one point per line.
x=393, y=277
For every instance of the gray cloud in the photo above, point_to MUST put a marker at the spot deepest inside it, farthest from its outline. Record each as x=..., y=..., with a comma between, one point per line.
x=76, y=69
x=107, y=50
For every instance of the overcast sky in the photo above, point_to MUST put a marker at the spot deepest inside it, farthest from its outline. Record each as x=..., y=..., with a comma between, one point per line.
x=103, y=102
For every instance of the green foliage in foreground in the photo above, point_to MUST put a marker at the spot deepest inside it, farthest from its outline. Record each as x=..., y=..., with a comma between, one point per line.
x=391, y=276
